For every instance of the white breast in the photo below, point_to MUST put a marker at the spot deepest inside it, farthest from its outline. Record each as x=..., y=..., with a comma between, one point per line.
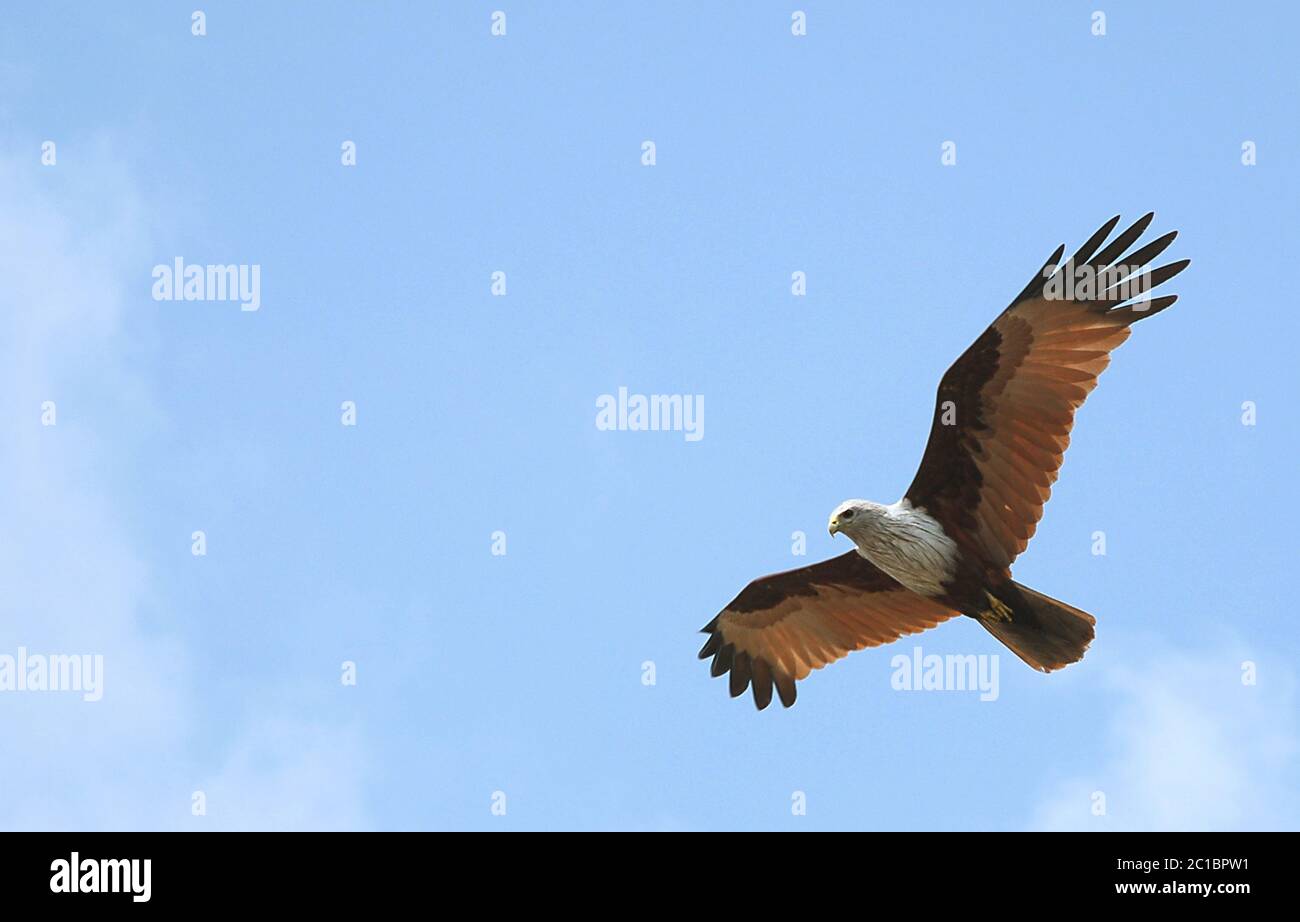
x=910, y=546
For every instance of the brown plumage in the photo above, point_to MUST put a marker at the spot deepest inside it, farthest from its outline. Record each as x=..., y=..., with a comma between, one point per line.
x=790, y=623
x=1002, y=422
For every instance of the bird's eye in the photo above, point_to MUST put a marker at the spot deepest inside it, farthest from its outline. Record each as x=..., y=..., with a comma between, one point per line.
x=846, y=514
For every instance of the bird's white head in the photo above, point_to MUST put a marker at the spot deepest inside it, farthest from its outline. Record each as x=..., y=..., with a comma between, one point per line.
x=853, y=517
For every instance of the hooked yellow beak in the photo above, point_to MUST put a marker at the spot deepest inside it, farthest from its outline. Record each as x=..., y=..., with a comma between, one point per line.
x=834, y=527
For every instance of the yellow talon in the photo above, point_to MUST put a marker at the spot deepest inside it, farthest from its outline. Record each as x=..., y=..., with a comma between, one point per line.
x=997, y=611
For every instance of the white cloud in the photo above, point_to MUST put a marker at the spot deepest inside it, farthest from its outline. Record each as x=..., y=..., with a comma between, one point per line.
x=288, y=775
x=1190, y=748
x=73, y=256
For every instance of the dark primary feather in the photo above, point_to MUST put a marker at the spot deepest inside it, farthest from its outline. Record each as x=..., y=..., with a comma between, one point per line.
x=1123, y=241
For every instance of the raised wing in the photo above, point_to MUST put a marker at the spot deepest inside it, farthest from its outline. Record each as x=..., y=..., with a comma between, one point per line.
x=1005, y=408
x=782, y=627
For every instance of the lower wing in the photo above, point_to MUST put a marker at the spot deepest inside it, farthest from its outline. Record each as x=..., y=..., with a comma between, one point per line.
x=782, y=627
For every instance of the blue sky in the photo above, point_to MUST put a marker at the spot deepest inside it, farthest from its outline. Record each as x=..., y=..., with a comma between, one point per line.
x=522, y=673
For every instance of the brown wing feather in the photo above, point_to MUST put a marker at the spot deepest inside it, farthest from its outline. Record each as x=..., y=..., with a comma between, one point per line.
x=783, y=626
x=1005, y=408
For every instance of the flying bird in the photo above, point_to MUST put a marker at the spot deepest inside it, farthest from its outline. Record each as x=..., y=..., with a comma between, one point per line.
x=1001, y=425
